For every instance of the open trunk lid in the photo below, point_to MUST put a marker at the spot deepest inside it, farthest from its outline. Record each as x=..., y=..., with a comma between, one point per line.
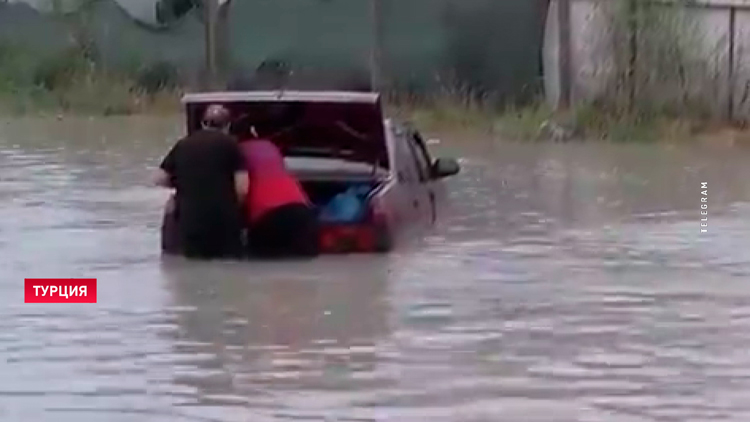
x=343, y=125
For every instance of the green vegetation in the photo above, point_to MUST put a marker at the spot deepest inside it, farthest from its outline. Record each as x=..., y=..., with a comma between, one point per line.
x=74, y=81
x=660, y=85
x=538, y=122
x=644, y=101
x=593, y=122
x=452, y=110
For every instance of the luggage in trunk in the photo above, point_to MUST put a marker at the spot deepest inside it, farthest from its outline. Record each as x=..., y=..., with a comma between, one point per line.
x=348, y=222
x=340, y=202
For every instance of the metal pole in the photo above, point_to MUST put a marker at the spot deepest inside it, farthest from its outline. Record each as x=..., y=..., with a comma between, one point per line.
x=563, y=21
x=731, y=57
x=376, y=52
x=633, y=22
x=210, y=8
x=223, y=50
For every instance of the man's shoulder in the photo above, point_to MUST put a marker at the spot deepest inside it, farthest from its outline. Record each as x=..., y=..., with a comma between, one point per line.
x=260, y=143
x=187, y=139
x=203, y=137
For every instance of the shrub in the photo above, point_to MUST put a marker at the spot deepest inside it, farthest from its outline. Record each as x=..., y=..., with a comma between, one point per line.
x=156, y=77
x=61, y=70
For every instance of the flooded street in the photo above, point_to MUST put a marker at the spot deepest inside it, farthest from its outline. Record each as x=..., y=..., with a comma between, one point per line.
x=564, y=283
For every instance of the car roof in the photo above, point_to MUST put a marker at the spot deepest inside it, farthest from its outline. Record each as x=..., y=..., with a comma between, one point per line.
x=282, y=96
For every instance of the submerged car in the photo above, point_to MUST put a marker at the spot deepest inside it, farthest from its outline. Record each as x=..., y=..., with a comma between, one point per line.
x=372, y=179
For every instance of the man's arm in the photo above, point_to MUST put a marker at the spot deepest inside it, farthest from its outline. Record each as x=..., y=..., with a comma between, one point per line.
x=237, y=164
x=162, y=179
x=241, y=184
x=163, y=175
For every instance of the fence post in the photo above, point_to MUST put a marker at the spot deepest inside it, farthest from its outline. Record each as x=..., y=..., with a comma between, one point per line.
x=731, y=64
x=564, y=51
x=632, y=24
x=223, y=47
x=376, y=49
x=210, y=9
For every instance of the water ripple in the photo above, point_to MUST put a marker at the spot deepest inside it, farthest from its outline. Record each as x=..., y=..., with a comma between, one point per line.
x=564, y=283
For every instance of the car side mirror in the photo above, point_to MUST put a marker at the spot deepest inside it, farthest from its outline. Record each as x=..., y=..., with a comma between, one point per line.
x=445, y=167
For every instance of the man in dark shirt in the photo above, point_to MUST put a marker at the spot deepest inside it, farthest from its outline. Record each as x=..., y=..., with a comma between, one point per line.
x=207, y=171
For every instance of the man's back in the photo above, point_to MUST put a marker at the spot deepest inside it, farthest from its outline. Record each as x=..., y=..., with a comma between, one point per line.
x=271, y=185
x=202, y=167
x=263, y=158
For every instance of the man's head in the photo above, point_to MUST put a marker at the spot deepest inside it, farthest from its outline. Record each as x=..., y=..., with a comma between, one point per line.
x=217, y=117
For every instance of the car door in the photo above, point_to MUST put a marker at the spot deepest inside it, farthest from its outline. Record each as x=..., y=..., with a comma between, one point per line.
x=408, y=176
x=424, y=188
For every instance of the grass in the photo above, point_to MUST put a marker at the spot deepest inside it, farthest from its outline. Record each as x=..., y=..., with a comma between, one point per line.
x=590, y=122
x=522, y=123
x=444, y=113
x=96, y=97
x=74, y=82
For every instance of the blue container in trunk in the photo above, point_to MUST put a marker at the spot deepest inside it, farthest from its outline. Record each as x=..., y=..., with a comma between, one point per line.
x=349, y=206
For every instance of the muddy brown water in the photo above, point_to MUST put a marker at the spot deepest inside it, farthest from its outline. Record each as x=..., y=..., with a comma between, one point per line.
x=564, y=283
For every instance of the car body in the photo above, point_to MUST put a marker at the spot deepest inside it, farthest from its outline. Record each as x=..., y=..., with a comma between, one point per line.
x=333, y=141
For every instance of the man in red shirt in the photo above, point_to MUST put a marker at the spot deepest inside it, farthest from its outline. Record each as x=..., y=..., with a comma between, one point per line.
x=281, y=219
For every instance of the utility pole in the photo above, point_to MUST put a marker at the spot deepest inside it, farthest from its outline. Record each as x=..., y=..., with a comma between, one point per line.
x=632, y=81
x=223, y=49
x=563, y=21
x=216, y=17
x=376, y=48
x=210, y=15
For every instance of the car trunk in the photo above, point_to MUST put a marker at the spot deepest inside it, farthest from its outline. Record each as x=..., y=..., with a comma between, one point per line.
x=305, y=124
x=334, y=143
x=323, y=179
x=342, y=193
x=321, y=193
x=340, y=232
x=349, y=220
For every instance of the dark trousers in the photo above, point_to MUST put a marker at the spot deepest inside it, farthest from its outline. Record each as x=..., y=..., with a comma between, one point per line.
x=220, y=244
x=288, y=231
x=210, y=237
x=204, y=236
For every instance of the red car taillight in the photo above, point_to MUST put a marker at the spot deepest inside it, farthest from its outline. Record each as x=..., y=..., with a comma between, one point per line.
x=378, y=215
x=366, y=239
x=370, y=235
x=328, y=240
x=380, y=226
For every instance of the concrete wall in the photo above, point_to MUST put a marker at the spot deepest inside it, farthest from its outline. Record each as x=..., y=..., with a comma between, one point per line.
x=708, y=22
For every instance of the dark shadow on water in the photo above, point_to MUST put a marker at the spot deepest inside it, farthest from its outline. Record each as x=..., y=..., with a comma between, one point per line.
x=261, y=326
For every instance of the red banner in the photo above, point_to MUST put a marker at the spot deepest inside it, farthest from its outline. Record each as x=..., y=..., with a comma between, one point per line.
x=60, y=290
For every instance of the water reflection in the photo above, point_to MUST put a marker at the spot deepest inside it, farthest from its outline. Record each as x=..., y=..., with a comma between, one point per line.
x=254, y=331
x=564, y=283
